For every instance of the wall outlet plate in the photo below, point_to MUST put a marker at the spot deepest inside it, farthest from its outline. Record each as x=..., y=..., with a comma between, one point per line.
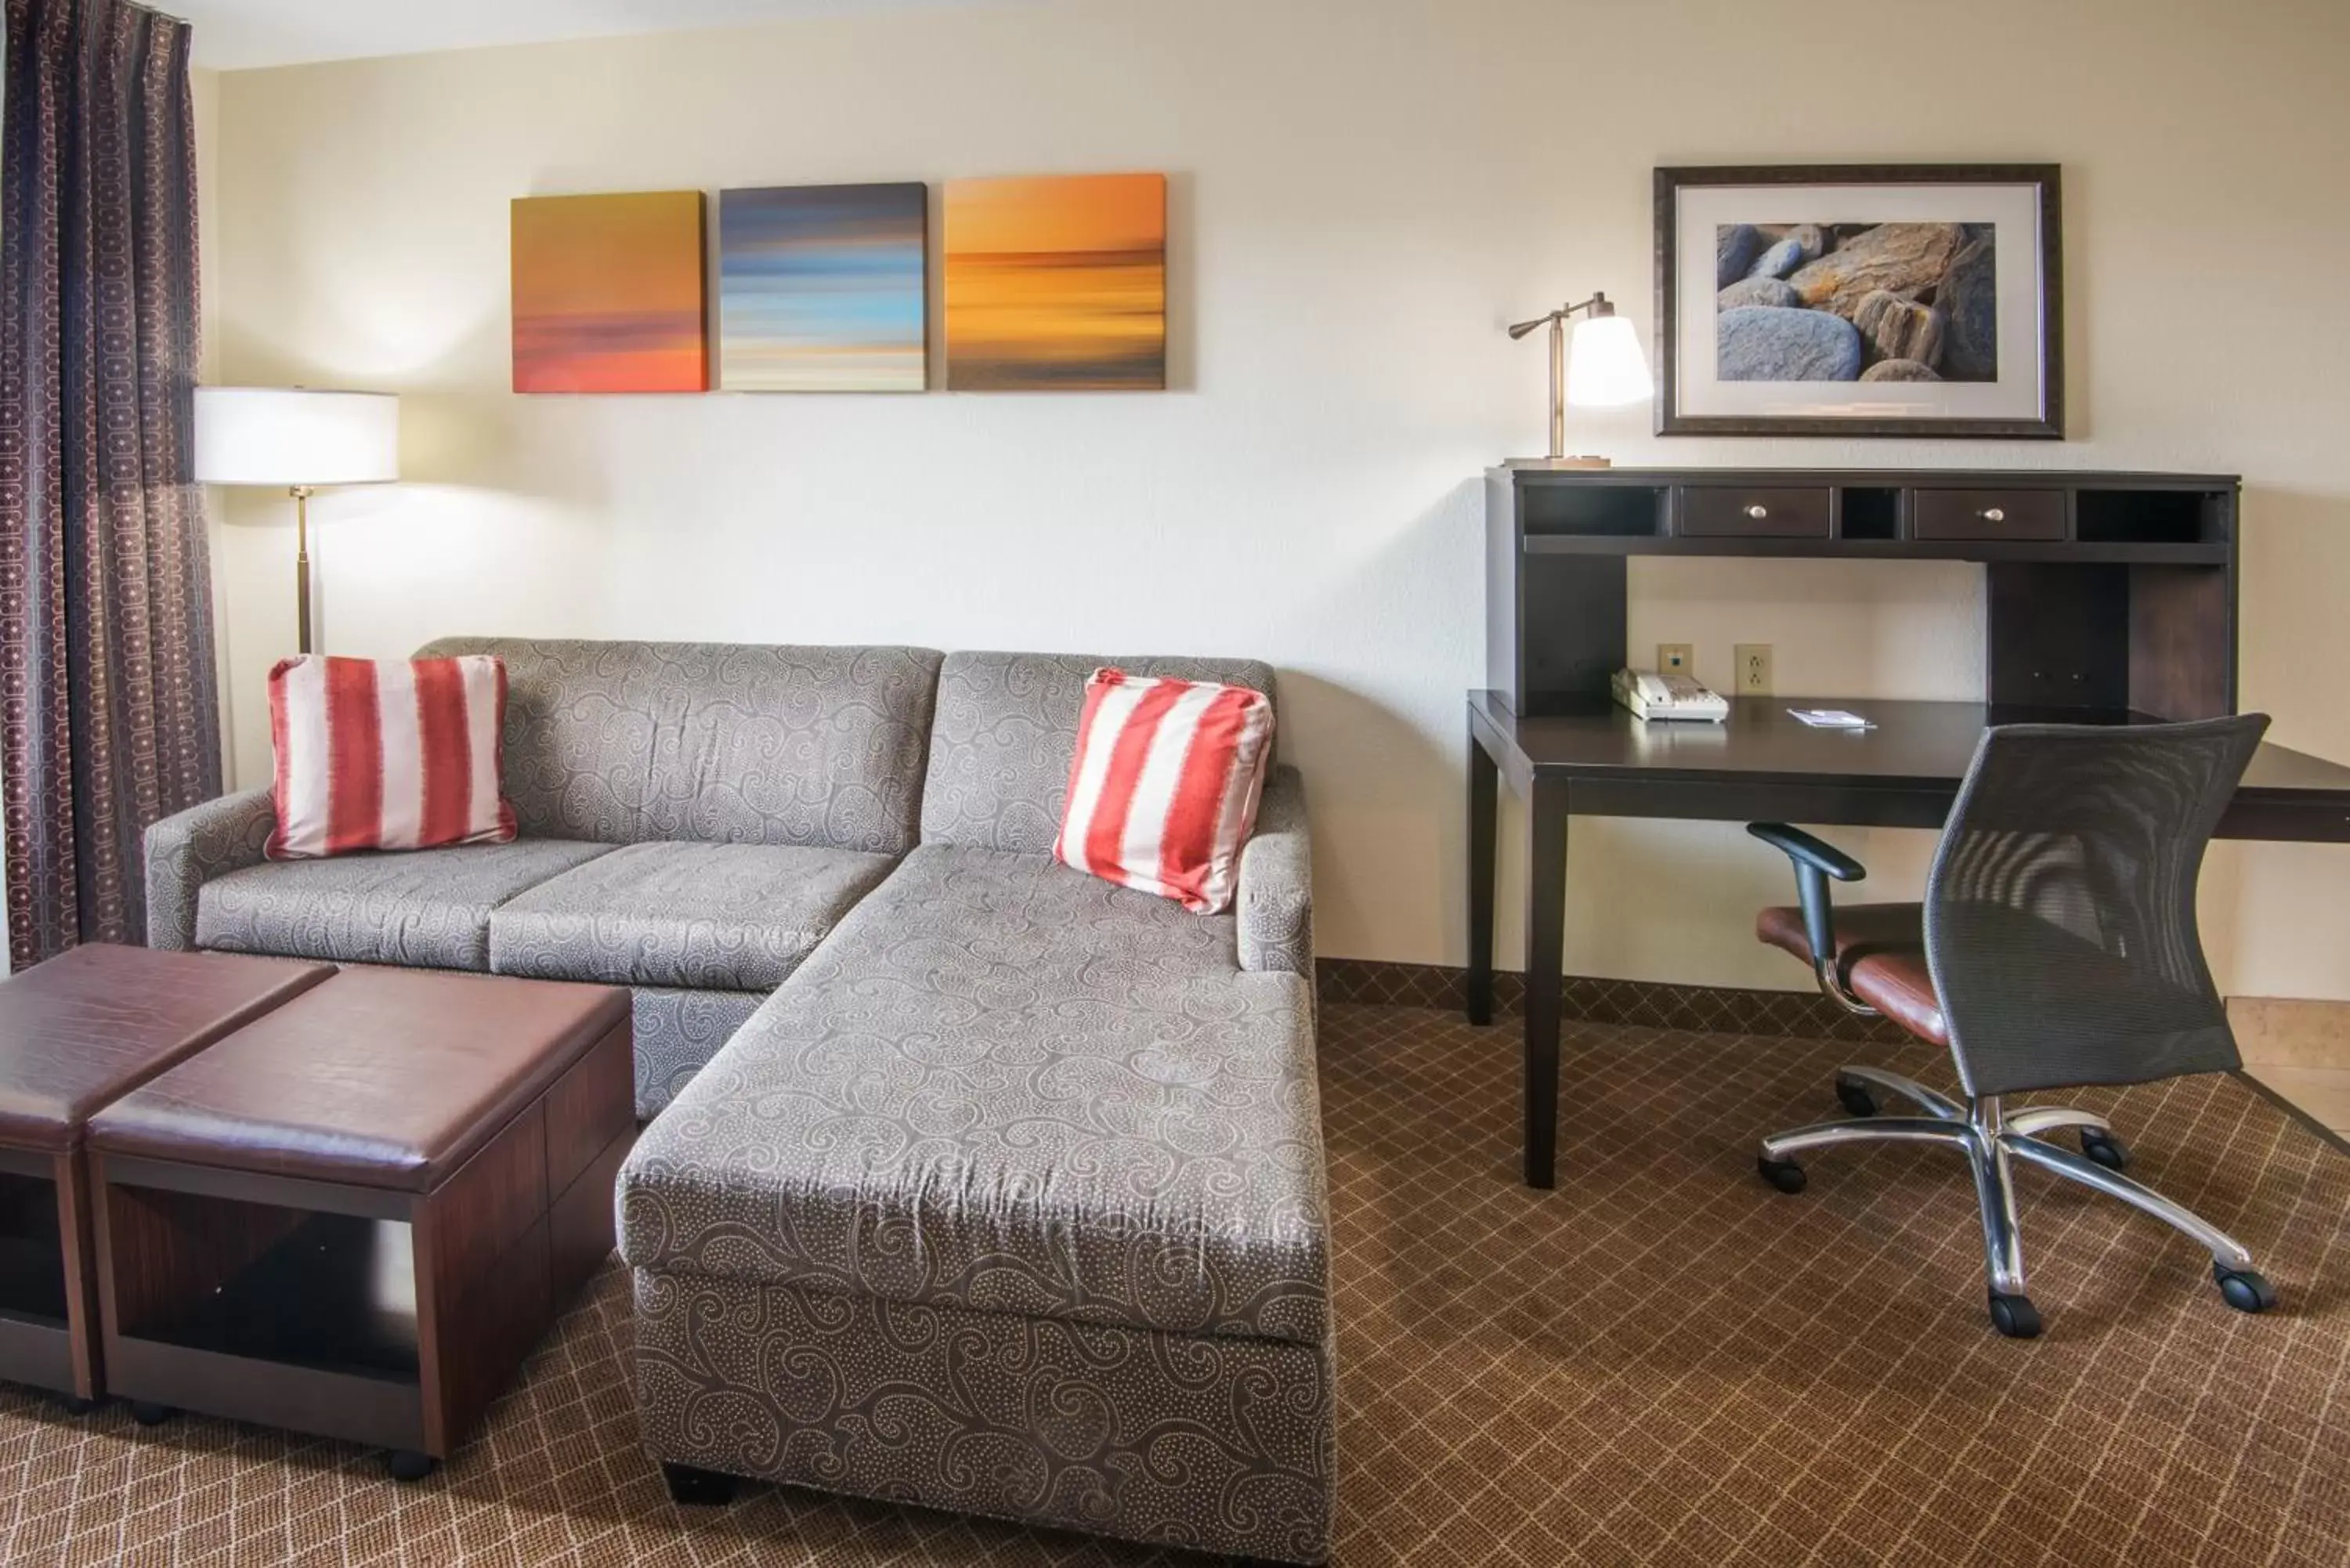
x=1753, y=670
x=1676, y=659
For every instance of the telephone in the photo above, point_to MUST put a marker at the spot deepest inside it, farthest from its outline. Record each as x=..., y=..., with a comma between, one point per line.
x=1654, y=696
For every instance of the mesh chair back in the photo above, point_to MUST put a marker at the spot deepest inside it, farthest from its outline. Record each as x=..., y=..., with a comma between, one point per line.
x=2060, y=911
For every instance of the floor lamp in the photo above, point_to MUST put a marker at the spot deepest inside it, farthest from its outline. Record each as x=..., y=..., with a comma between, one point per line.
x=297, y=441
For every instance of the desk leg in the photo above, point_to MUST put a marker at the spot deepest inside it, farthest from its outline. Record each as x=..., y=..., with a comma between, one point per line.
x=1545, y=982
x=1484, y=810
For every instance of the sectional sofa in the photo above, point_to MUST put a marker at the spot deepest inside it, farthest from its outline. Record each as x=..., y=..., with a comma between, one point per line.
x=969, y=1181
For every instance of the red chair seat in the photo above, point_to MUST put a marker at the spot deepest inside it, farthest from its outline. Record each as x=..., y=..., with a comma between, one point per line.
x=1880, y=957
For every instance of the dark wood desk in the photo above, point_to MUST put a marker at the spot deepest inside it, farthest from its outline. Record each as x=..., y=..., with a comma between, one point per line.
x=1763, y=764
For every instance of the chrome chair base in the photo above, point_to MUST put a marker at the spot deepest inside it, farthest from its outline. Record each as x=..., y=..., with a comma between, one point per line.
x=1992, y=1142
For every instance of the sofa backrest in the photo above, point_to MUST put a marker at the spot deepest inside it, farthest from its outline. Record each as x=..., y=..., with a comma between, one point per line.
x=621, y=742
x=1006, y=728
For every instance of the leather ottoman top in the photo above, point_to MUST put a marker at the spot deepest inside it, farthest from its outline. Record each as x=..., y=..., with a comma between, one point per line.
x=380, y=1077
x=97, y=1022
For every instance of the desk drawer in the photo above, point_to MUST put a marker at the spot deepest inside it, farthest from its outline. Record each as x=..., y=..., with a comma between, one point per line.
x=1987, y=515
x=1753, y=511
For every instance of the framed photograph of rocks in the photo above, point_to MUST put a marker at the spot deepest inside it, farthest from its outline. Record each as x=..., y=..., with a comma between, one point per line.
x=1917, y=299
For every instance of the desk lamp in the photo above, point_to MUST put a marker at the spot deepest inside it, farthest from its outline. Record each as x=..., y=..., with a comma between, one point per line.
x=1608, y=371
x=297, y=440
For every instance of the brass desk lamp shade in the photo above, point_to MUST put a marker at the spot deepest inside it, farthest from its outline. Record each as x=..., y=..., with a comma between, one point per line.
x=298, y=440
x=1606, y=370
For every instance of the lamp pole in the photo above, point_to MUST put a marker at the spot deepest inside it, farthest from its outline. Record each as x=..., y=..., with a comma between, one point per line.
x=301, y=494
x=1557, y=390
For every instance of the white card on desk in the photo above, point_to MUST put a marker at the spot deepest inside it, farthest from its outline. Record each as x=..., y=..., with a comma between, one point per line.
x=1831, y=719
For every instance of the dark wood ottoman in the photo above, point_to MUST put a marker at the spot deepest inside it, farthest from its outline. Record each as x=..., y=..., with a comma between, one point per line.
x=75, y=1032
x=355, y=1216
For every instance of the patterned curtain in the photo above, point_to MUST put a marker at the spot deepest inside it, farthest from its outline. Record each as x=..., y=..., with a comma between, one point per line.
x=108, y=712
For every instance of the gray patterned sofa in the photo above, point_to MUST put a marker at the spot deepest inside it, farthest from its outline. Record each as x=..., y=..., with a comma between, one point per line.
x=1007, y=1196
x=1011, y=1200
x=695, y=818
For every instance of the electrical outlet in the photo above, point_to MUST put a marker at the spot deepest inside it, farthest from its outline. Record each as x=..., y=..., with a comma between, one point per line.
x=1675, y=658
x=1753, y=670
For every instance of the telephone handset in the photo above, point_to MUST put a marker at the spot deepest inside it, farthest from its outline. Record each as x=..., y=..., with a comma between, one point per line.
x=1654, y=696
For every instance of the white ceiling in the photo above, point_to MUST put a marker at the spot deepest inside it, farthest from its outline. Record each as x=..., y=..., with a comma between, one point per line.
x=237, y=34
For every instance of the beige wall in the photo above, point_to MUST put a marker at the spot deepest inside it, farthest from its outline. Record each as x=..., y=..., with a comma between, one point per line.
x=1363, y=191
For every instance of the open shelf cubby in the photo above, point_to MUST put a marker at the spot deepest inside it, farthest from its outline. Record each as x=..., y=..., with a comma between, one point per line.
x=1596, y=510
x=329, y=1293
x=2150, y=517
x=32, y=1252
x=1871, y=513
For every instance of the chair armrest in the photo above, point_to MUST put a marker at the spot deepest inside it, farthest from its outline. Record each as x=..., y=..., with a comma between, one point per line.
x=1815, y=862
x=1276, y=881
x=185, y=851
x=1806, y=850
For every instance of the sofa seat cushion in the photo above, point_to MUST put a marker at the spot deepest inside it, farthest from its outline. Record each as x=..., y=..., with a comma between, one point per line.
x=427, y=908
x=729, y=917
x=1005, y=1085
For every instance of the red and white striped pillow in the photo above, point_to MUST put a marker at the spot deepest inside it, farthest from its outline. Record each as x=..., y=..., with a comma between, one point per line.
x=1163, y=789
x=396, y=755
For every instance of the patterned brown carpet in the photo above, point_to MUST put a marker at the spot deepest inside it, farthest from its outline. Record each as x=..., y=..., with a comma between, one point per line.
x=1662, y=1362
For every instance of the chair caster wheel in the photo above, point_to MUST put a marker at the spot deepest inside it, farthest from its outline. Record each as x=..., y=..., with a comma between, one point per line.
x=1783, y=1174
x=2244, y=1290
x=2105, y=1148
x=1855, y=1096
x=77, y=1405
x=2014, y=1316
x=407, y=1465
x=689, y=1487
x=147, y=1412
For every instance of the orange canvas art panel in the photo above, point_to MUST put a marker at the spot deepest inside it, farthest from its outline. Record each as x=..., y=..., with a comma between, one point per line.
x=1057, y=284
x=609, y=294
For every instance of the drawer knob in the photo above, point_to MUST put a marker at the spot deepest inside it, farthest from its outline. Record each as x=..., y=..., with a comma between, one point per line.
x=1758, y=512
x=1992, y=515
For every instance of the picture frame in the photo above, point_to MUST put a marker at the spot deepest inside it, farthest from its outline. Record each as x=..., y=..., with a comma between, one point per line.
x=1056, y=283
x=1901, y=299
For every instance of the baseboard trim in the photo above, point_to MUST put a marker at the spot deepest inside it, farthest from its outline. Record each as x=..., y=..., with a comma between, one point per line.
x=1711, y=1009
x=1732, y=1009
x=2288, y=1031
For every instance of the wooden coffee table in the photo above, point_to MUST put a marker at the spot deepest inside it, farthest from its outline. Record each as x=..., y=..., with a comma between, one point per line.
x=77, y=1032
x=355, y=1216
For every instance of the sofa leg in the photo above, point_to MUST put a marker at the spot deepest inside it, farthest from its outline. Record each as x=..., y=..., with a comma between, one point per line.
x=689, y=1487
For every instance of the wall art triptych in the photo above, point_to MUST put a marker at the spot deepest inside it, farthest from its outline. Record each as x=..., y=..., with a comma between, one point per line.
x=823, y=288
x=1051, y=284
x=1057, y=284
x=609, y=294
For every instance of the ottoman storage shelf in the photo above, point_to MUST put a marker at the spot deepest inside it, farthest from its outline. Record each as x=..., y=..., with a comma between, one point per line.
x=298, y=1317
x=36, y=1341
x=75, y=1032
x=356, y=1218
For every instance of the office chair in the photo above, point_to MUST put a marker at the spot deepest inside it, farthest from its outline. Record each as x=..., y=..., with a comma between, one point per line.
x=2056, y=948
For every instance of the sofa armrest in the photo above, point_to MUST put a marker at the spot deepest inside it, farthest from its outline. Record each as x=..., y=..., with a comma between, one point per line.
x=1276, y=891
x=186, y=851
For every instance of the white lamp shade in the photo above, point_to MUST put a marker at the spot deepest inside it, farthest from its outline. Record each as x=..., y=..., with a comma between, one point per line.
x=287, y=436
x=1607, y=368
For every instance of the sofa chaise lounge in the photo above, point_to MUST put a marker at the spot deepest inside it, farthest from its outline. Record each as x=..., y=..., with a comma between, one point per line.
x=971, y=1180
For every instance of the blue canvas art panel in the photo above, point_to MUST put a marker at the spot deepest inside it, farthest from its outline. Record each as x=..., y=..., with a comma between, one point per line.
x=823, y=288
